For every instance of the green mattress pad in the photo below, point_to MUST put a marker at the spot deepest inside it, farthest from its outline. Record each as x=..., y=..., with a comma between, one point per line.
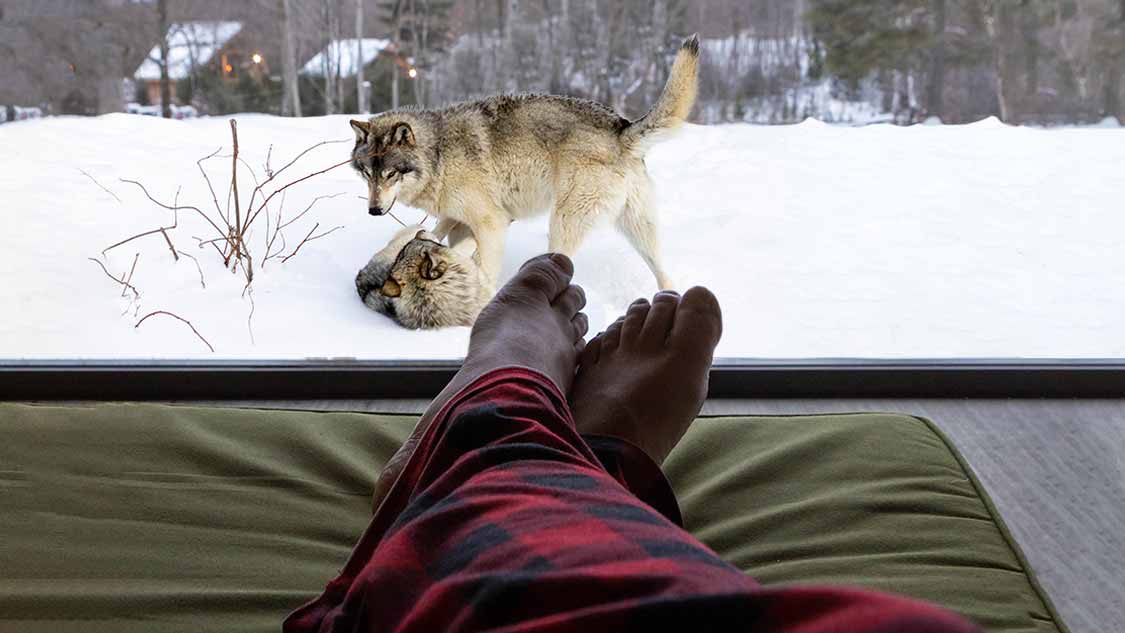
x=134, y=517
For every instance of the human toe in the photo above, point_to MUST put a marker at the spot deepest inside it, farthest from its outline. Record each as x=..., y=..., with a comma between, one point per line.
x=571, y=301
x=548, y=275
x=611, y=338
x=634, y=320
x=699, y=319
x=592, y=352
x=658, y=322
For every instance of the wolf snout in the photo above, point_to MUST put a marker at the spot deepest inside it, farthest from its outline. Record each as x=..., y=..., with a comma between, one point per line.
x=376, y=210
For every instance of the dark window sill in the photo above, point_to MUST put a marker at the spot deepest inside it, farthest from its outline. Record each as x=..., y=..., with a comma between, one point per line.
x=730, y=378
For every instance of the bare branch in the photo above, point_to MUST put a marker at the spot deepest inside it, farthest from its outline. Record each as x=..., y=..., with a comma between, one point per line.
x=308, y=238
x=253, y=194
x=124, y=283
x=214, y=197
x=175, y=202
x=175, y=316
x=92, y=179
x=130, y=239
x=308, y=208
x=299, y=180
x=175, y=208
x=129, y=279
x=237, y=237
x=201, y=243
x=272, y=237
x=170, y=247
x=269, y=170
x=234, y=172
x=197, y=267
x=298, y=156
x=396, y=219
x=249, y=317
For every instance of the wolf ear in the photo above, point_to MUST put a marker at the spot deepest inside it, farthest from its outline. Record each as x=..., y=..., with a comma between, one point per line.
x=390, y=288
x=403, y=134
x=361, y=130
x=431, y=268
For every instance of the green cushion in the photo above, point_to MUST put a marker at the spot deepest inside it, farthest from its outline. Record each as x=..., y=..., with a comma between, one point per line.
x=876, y=500
x=152, y=518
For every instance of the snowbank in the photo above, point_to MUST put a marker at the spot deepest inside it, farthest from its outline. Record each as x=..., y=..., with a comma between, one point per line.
x=821, y=241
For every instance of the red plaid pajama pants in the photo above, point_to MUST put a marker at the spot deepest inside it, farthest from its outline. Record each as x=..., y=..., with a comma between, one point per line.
x=506, y=519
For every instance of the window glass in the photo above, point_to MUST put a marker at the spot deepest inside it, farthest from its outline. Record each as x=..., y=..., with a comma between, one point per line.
x=856, y=178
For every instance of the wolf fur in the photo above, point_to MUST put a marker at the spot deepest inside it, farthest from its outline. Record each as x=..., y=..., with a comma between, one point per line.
x=481, y=165
x=421, y=283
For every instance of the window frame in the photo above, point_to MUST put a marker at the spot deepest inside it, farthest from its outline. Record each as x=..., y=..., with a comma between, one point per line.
x=382, y=379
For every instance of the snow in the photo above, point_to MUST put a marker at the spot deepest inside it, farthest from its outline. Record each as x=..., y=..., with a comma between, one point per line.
x=981, y=240
x=342, y=52
x=190, y=44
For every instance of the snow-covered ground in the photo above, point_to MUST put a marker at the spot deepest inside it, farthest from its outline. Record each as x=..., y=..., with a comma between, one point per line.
x=820, y=241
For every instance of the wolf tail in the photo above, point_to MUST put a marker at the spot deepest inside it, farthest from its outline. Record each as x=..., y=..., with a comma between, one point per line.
x=673, y=106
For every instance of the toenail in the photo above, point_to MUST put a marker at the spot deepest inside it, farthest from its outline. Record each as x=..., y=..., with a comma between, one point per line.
x=562, y=261
x=640, y=302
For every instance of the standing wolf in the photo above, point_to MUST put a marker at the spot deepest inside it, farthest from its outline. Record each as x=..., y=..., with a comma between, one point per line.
x=484, y=164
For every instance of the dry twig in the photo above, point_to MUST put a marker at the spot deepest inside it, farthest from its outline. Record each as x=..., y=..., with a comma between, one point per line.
x=92, y=179
x=175, y=316
x=175, y=218
x=251, y=219
x=197, y=267
x=308, y=238
x=124, y=283
x=269, y=170
x=249, y=325
x=129, y=280
x=214, y=197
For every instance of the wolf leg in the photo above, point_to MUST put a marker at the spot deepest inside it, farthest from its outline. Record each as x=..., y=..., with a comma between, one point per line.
x=490, y=250
x=638, y=223
x=578, y=211
x=444, y=227
x=461, y=239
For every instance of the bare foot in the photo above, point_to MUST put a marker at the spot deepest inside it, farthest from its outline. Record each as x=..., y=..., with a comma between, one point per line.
x=534, y=321
x=645, y=378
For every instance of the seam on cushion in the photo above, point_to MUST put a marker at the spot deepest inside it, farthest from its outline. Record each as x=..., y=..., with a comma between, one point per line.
x=1013, y=546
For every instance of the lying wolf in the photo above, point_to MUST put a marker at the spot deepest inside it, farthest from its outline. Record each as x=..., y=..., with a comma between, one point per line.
x=421, y=283
x=486, y=163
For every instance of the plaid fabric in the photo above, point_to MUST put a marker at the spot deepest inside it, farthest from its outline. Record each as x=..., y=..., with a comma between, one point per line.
x=506, y=519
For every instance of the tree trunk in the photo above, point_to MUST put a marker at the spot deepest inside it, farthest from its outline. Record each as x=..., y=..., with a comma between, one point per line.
x=935, y=93
x=561, y=46
x=992, y=18
x=508, y=59
x=659, y=59
x=329, y=65
x=397, y=43
x=419, y=41
x=1115, y=68
x=111, y=96
x=360, y=91
x=291, y=92
x=165, y=81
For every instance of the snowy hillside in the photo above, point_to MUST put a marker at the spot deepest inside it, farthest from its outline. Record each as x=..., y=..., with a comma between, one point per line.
x=820, y=241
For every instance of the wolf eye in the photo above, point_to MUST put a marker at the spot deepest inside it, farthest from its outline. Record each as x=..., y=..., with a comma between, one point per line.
x=390, y=173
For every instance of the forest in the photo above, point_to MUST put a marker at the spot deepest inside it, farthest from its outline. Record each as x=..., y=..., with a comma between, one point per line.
x=1044, y=62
